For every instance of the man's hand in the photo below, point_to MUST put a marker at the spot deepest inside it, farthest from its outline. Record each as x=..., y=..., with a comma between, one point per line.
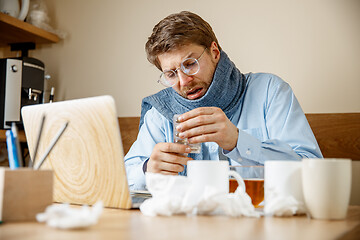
x=208, y=124
x=168, y=158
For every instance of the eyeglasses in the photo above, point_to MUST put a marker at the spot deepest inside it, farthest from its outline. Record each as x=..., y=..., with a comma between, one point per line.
x=189, y=66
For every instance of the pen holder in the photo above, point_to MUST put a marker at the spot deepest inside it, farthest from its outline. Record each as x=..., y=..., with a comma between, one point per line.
x=24, y=193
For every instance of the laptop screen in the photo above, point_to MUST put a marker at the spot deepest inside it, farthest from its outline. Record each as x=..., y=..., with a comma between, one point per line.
x=88, y=159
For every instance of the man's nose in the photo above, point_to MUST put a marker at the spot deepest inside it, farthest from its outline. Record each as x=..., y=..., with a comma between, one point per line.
x=184, y=79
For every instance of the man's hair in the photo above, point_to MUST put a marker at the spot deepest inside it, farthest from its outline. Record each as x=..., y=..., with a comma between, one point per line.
x=177, y=30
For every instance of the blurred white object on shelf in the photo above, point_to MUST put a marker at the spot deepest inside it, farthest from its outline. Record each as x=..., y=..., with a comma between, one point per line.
x=38, y=16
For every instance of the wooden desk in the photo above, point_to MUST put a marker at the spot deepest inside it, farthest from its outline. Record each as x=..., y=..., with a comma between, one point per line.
x=131, y=224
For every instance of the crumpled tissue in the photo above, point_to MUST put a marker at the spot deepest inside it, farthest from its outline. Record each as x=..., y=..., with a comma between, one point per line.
x=64, y=217
x=173, y=195
x=281, y=205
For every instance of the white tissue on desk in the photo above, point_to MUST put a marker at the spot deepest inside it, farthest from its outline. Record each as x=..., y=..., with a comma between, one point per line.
x=175, y=195
x=64, y=217
x=281, y=205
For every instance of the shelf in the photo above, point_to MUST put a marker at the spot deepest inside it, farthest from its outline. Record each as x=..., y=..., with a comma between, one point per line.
x=21, y=133
x=12, y=30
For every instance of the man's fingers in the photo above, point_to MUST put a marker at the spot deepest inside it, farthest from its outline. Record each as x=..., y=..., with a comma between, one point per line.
x=168, y=157
x=200, y=130
x=173, y=158
x=212, y=137
x=169, y=163
x=196, y=122
x=200, y=117
x=196, y=112
x=171, y=167
x=168, y=173
x=173, y=148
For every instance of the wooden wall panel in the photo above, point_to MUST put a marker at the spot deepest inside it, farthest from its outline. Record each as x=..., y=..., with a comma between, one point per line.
x=338, y=134
x=129, y=128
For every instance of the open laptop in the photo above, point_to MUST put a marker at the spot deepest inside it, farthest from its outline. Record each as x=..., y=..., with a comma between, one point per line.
x=88, y=159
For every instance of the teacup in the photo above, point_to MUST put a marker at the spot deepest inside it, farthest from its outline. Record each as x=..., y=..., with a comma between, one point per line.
x=327, y=187
x=283, y=178
x=211, y=174
x=283, y=188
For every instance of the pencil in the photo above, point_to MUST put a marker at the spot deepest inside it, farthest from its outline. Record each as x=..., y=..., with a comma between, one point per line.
x=31, y=162
x=52, y=144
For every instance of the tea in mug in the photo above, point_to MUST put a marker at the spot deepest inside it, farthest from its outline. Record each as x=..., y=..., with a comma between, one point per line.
x=254, y=188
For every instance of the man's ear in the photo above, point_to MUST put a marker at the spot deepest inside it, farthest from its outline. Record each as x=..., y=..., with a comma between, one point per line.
x=215, y=52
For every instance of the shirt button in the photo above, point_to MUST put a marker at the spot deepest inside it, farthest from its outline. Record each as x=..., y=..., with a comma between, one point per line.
x=248, y=152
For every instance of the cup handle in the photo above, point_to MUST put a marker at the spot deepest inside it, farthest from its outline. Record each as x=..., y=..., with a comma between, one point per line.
x=238, y=178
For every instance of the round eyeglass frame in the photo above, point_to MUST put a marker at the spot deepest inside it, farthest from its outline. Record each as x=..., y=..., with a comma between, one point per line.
x=181, y=68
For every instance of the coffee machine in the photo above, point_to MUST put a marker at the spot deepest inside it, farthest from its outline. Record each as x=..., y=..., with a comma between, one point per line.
x=21, y=84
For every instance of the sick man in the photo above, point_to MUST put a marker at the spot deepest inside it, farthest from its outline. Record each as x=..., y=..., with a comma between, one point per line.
x=245, y=119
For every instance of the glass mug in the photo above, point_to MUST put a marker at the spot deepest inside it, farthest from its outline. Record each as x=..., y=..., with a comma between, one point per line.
x=253, y=177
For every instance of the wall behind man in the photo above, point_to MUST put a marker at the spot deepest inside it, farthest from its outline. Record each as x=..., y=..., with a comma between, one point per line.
x=313, y=45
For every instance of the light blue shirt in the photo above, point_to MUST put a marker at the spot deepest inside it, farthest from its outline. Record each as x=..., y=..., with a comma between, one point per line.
x=271, y=123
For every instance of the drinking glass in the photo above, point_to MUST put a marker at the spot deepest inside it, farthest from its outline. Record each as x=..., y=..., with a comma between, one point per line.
x=254, y=182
